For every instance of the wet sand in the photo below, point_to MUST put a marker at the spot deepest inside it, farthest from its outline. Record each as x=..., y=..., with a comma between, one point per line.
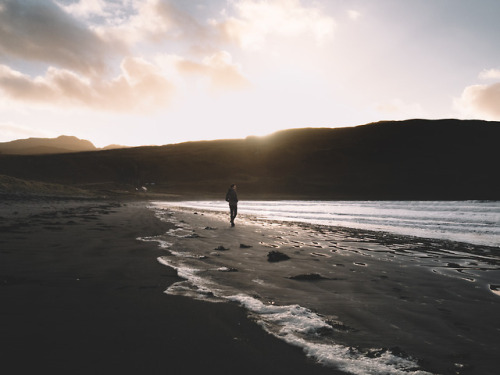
x=81, y=295
x=433, y=300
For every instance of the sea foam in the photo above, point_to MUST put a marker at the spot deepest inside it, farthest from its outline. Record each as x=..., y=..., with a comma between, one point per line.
x=298, y=326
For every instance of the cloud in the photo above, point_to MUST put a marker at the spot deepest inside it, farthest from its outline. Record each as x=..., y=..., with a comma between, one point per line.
x=219, y=68
x=490, y=74
x=257, y=20
x=80, y=43
x=87, y=8
x=481, y=101
x=40, y=31
x=136, y=22
x=139, y=88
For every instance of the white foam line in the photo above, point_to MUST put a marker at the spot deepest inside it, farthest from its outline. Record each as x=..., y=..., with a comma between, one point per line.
x=291, y=323
x=181, y=254
x=194, y=286
x=162, y=243
x=357, y=363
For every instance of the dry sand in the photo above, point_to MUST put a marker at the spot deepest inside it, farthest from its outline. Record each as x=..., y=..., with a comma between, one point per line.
x=80, y=295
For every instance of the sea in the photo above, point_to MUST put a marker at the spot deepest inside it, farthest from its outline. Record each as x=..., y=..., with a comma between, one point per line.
x=458, y=240
x=475, y=222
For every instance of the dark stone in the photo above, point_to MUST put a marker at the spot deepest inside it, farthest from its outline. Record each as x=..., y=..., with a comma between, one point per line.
x=276, y=256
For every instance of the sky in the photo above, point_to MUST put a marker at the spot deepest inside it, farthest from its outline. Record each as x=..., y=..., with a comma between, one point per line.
x=155, y=72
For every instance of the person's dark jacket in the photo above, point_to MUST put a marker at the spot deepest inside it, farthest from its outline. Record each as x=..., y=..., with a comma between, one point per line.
x=232, y=197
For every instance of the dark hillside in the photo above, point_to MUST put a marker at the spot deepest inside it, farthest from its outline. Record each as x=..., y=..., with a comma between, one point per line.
x=415, y=159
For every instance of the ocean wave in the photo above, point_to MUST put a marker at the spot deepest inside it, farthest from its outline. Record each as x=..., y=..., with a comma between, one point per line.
x=298, y=326
x=474, y=222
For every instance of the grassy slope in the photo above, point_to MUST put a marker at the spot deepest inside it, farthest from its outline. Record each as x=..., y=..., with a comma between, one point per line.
x=17, y=187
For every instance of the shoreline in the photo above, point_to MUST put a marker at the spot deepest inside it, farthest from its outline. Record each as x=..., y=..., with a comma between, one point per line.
x=80, y=294
x=428, y=298
x=380, y=217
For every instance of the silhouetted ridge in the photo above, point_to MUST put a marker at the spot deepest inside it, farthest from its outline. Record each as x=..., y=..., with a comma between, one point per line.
x=414, y=159
x=59, y=145
x=33, y=146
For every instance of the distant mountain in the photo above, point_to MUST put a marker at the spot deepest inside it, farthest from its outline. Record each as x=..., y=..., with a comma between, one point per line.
x=34, y=146
x=60, y=145
x=414, y=159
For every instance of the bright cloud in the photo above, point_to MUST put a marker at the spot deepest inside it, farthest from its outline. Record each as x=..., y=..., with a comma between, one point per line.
x=219, y=68
x=256, y=20
x=490, y=74
x=86, y=8
x=139, y=87
x=482, y=101
x=152, y=21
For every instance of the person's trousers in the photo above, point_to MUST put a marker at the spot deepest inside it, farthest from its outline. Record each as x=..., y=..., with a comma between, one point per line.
x=233, y=208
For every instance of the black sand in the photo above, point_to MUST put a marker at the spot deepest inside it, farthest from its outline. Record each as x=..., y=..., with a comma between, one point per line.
x=429, y=299
x=80, y=295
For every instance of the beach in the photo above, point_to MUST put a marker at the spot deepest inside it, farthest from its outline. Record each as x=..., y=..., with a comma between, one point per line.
x=364, y=302
x=94, y=286
x=80, y=295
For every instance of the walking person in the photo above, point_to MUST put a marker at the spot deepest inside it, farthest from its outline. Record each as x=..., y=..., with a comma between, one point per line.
x=232, y=198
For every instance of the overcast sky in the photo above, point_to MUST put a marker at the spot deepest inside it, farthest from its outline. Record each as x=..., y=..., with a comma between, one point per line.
x=142, y=72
